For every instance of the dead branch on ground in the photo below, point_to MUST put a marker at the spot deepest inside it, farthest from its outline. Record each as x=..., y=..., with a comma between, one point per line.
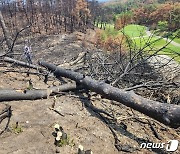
x=5, y=113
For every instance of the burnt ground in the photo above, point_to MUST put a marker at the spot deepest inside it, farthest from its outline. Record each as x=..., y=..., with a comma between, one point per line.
x=83, y=126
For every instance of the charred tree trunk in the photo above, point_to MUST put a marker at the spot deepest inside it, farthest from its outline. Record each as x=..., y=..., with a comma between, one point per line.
x=20, y=63
x=5, y=111
x=6, y=34
x=12, y=95
x=166, y=113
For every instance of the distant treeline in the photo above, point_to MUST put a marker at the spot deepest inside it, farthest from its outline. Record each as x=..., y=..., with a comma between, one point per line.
x=145, y=12
x=50, y=16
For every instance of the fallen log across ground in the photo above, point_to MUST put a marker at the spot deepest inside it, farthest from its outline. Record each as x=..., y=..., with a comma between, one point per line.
x=12, y=95
x=167, y=114
x=20, y=63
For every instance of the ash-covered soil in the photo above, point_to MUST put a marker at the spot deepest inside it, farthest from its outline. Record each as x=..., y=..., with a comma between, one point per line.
x=82, y=125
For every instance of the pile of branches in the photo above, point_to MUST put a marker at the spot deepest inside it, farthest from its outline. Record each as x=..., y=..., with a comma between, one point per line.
x=143, y=71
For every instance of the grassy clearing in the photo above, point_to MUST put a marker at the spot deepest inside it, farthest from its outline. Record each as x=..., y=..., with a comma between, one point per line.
x=134, y=30
x=177, y=40
x=130, y=30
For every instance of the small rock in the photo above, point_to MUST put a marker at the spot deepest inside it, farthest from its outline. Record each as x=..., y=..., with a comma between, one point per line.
x=57, y=150
x=88, y=152
x=57, y=127
x=81, y=149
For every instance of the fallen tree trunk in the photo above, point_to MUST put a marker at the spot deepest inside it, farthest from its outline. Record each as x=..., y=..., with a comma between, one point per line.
x=11, y=95
x=165, y=113
x=20, y=63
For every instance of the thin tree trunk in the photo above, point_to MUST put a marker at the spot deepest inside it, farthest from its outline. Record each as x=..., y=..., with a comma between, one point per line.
x=6, y=33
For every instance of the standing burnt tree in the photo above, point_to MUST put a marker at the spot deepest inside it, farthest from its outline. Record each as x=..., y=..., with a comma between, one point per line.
x=81, y=14
x=46, y=17
x=5, y=32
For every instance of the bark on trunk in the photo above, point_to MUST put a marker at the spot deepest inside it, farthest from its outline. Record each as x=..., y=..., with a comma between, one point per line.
x=5, y=111
x=12, y=95
x=5, y=32
x=20, y=63
x=166, y=113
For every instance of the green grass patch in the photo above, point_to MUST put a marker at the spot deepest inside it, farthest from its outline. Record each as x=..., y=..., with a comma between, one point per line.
x=130, y=30
x=64, y=142
x=134, y=30
x=177, y=40
x=16, y=128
